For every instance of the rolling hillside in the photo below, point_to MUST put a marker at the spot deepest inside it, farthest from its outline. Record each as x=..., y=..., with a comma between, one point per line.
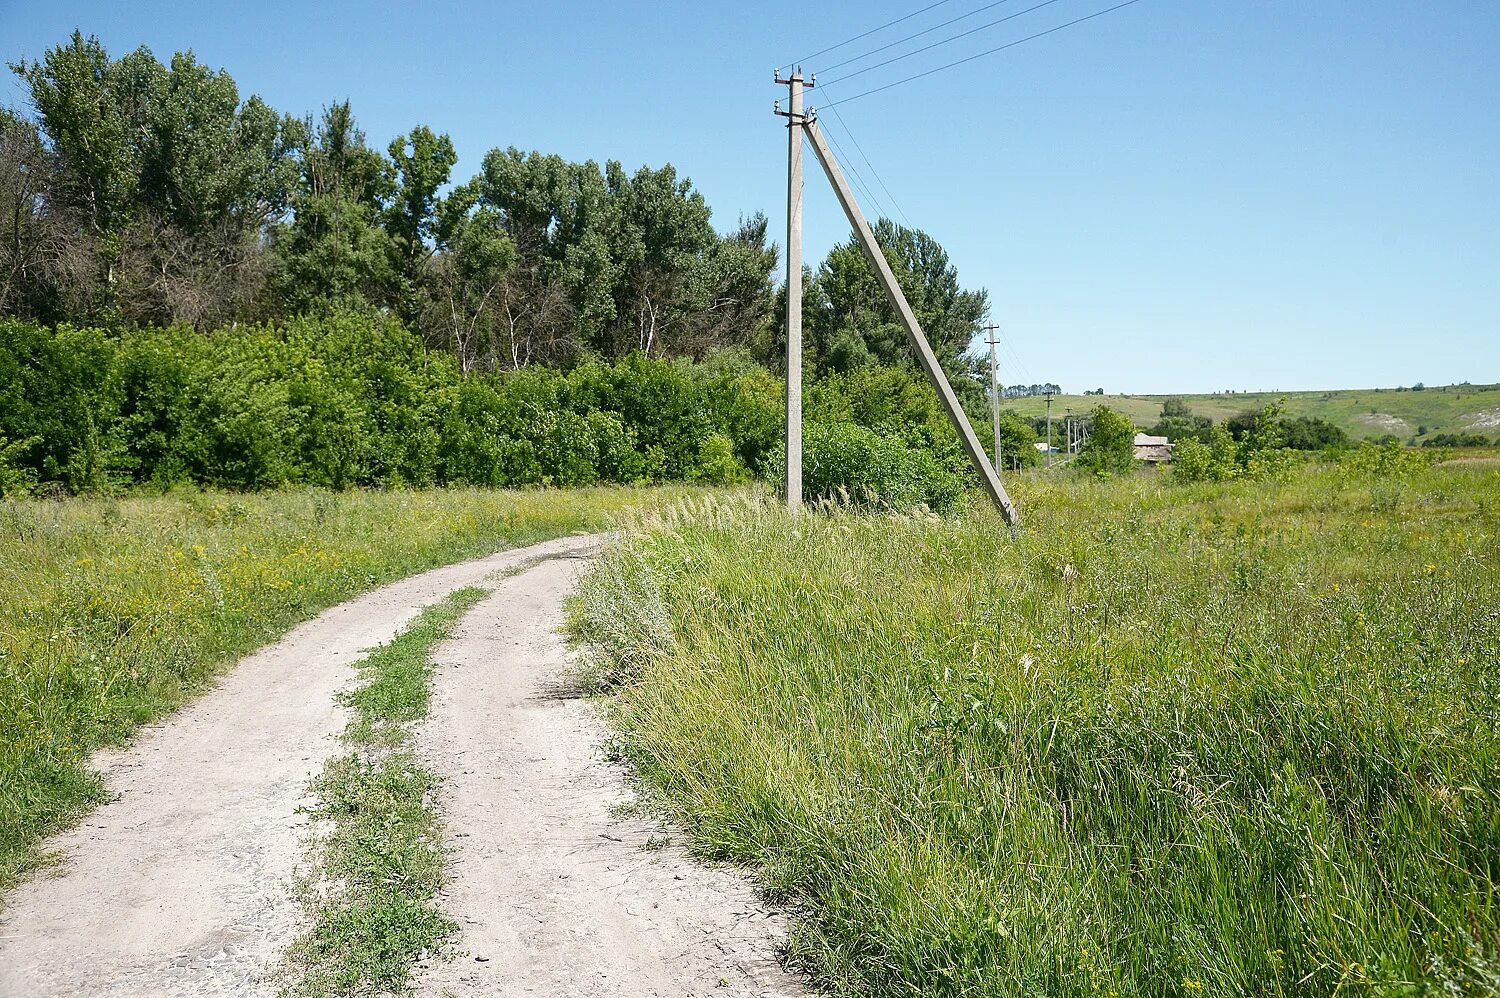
x=1363, y=413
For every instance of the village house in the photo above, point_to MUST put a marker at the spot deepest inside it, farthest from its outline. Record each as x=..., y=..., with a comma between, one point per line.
x=1152, y=450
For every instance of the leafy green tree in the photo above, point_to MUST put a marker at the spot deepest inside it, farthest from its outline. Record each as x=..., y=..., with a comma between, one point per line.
x=1017, y=442
x=849, y=321
x=163, y=176
x=1311, y=433
x=335, y=252
x=467, y=292
x=93, y=111
x=1110, y=446
x=422, y=162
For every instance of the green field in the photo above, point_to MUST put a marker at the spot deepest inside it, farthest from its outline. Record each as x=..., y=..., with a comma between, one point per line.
x=1364, y=413
x=115, y=611
x=1214, y=740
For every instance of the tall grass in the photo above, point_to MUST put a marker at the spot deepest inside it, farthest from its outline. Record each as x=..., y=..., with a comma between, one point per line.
x=112, y=612
x=1185, y=741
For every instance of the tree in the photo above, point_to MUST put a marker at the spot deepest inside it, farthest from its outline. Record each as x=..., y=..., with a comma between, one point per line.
x=92, y=111
x=47, y=268
x=1110, y=446
x=849, y=321
x=160, y=174
x=1017, y=442
x=334, y=252
x=422, y=162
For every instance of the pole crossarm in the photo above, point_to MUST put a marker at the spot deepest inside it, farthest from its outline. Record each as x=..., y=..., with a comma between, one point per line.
x=908, y=318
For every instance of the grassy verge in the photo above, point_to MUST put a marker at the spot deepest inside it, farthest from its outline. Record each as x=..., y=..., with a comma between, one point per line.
x=115, y=611
x=1177, y=741
x=383, y=857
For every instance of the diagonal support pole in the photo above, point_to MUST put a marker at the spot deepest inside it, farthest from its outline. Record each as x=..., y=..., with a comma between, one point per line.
x=914, y=332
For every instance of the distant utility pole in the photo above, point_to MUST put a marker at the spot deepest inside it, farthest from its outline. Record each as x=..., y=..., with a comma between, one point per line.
x=807, y=124
x=794, y=116
x=1049, y=429
x=994, y=340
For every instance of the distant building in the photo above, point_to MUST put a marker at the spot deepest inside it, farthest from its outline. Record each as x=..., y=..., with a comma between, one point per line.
x=1152, y=450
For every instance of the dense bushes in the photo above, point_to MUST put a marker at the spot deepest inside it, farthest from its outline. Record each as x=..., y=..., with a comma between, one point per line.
x=849, y=464
x=1260, y=451
x=353, y=401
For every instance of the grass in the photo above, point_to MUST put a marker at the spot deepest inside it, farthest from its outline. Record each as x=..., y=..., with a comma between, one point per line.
x=115, y=611
x=1188, y=741
x=1360, y=412
x=383, y=858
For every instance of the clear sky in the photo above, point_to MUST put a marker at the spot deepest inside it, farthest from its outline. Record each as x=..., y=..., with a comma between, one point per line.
x=1179, y=196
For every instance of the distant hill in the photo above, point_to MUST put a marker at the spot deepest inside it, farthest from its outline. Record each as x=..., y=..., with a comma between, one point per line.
x=1362, y=412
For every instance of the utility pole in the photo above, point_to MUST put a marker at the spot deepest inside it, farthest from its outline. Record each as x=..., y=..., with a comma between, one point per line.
x=995, y=391
x=914, y=333
x=794, y=127
x=1049, y=429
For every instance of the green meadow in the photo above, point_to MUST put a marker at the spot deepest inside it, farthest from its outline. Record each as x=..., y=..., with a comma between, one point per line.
x=1173, y=740
x=1364, y=414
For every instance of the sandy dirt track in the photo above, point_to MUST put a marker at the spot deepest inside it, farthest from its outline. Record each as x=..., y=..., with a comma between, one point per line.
x=184, y=883
x=555, y=895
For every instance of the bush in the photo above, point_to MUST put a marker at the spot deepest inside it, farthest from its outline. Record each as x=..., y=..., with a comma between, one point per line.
x=1389, y=459
x=15, y=480
x=1110, y=447
x=1216, y=460
x=848, y=463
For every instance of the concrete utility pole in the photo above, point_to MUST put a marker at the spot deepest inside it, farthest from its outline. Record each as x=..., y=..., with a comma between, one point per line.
x=794, y=126
x=1049, y=429
x=994, y=340
x=914, y=333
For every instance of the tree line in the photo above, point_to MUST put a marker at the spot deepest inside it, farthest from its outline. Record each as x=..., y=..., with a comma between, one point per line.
x=134, y=192
x=353, y=400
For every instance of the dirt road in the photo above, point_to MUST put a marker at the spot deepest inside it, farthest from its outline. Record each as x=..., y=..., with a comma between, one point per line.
x=185, y=883
x=556, y=895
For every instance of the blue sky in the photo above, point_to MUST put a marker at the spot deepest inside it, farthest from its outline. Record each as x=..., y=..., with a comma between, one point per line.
x=1179, y=196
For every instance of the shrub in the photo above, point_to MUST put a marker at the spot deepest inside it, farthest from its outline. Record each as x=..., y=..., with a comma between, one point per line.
x=1110, y=447
x=1389, y=459
x=15, y=479
x=847, y=463
x=1216, y=460
x=717, y=463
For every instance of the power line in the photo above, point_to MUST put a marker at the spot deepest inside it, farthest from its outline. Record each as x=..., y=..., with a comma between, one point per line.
x=945, y=41
x=859, y=181
x=980, y=55
x=878, y=178
x=919, y=34
x=866, y=34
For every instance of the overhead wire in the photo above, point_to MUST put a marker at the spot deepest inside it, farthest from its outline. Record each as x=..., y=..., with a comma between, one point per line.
x=918, y=34
x=865, y=189
x=874, y=172
x=864, y=34
x=981, y=55
x=944, y=41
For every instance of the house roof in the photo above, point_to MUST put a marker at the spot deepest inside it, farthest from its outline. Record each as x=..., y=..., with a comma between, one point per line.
x=1147, y=440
